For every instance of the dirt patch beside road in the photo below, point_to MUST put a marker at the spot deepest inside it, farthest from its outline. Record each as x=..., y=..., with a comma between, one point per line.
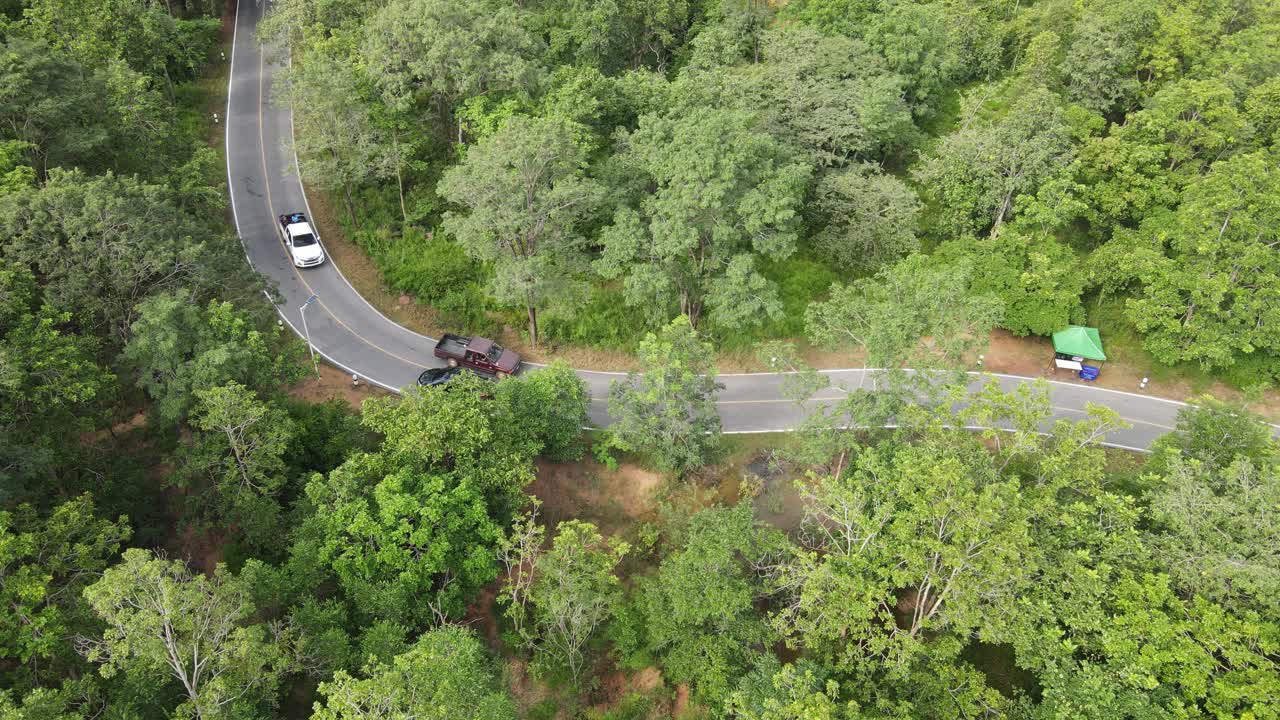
x=334, y=384
x=587, y=490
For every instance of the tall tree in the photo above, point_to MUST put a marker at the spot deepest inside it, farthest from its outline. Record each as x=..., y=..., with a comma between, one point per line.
x=915, y=313
x=1215, y=433
x=49, y=382
x=1218, y=531
x=335, y=133
x=459, y=430
x=241, y=448
x=1208, y=272
x=524, y=191
x=103, y=244
x=141, y=34
x=406, y=544
x=45, y=563
x=932, y=517
x=1037, y=279
x=550, y=405
x=1100, y=66
x=618, y=34
x=868, y=219
x=441, y=52
x=668, y=411
x=722, y=195
x=977, y=172
x=445, y=675
x=1216, y=489
x=574, y=593
x=833, y=96
x=700, y=609
x=179, y=348
x=165, y=622
x=53, y=105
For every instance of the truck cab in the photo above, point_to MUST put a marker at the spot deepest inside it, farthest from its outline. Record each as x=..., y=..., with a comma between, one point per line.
x=300, y=240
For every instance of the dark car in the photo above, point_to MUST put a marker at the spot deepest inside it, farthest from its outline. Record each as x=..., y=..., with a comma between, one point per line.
x=442, y=377
x=438, y=376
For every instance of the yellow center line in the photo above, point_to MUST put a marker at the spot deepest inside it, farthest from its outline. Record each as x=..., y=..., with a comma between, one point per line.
x=271, y=210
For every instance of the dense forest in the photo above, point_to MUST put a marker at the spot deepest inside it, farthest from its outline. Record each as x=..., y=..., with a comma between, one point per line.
x=183, y=535
x=588, y=170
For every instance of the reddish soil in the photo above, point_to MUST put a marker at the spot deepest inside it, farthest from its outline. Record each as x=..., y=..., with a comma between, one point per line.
x=202, y=551
x=524, y=688
x=587, y=490
x=334, y=384
x=617, y=686
x=482, y=614
x=681, y=706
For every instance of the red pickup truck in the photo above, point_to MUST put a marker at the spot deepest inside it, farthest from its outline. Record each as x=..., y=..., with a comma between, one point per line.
x=480, y=354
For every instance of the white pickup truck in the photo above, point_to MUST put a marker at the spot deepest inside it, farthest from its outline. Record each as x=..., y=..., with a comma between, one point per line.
x=300, y=240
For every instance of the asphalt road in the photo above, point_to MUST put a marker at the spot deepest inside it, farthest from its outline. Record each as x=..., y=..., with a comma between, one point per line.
x=351, y=334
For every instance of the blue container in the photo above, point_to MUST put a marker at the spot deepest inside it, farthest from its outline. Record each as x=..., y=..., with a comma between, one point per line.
x=1088, y=373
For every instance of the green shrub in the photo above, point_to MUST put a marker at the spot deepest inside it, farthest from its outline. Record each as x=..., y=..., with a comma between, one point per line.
x=1252, y=370
x=800, y=280
x=604, y=321
x=439, y=274
x=431, y=268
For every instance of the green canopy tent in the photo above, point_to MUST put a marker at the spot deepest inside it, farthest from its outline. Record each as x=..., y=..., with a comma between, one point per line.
x=1079, y=341
x=1074, y=345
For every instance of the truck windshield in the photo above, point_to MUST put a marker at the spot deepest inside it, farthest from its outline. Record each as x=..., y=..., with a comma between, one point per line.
x=495, y=352
x=304, y=240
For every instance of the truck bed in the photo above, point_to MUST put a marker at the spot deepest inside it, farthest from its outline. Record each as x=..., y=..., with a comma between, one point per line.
x=452, y=346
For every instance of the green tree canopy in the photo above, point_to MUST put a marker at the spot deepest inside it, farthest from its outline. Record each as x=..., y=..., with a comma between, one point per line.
x=169, y=624
x=53, y=105
x=722, y=194
x=700, y=608
x=524, y=193
x=550, y=405
x=406, y=544
x=832, y=96
x=50, y=381
x=456, y=429
x=574, y=593
x=1216, y=485
x=1037, y=279
x=441, y=52
x=978, y=172
x=103, y=244
x=446, y=674
x=868, y=219
x=45, y=562
x=668, y=411
x=240, y=448
x=178, y=348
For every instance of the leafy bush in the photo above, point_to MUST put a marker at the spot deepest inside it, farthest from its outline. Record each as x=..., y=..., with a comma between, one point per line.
x=438, y=273
x=1252, y=370
x=604, y=320
x=800, y=280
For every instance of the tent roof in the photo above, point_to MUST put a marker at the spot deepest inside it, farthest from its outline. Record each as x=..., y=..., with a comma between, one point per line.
x=1079, y=340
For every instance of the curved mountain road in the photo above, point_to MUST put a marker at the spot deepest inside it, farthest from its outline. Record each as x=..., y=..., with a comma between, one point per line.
x=351, y=334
